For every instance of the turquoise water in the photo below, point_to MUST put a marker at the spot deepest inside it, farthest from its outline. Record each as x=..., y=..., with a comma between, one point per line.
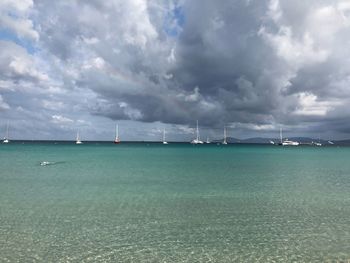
x=174, y=203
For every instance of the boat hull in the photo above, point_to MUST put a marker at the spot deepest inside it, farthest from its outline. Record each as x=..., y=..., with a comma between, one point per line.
x=196, y=142
x=290, y=143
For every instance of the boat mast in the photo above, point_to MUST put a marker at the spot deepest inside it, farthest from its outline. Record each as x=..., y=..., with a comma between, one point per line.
x=281, y=138
x=116, y=132
x=197, y=132
x=225, y=134
x=163, y=135
x=7, y=130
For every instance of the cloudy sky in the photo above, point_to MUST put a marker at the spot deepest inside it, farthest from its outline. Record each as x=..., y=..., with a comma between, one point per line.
x=253, y=65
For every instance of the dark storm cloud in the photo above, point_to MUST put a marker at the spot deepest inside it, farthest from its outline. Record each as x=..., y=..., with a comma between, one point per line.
x=218, y=67
x=220, y=51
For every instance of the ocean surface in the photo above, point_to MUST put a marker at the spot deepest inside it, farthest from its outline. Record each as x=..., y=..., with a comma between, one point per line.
x=139, y=202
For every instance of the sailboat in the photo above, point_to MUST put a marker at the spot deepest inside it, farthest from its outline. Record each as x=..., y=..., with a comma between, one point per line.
x=224, y=141
x=197, y=140
x=164, y=141
x=287, y=142
x=207, y=142
x=319, y=141
x=78, y=141
x=116, y=140
x=6, y=138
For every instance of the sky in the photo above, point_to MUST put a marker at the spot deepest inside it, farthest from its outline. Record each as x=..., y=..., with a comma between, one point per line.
x=250, y=65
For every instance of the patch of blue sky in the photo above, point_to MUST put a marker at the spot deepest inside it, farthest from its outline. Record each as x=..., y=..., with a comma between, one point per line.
x=174, y=21
x=7, y=35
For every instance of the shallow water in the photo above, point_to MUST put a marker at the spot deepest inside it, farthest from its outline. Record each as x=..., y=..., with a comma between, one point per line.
x=173, y=203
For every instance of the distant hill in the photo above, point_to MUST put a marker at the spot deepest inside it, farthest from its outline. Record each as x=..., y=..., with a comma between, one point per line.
x=342, y=142
x=250, y=140
x=302, y=140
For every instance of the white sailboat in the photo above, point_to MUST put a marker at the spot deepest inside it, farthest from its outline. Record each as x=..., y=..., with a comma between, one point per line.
x=6, y=138
x=207, y=142
x=319, y=142
x=78, y=141
x=197, y=140
x=164, y=141
x=116, y=140
x=224, y=141
x=287, y=142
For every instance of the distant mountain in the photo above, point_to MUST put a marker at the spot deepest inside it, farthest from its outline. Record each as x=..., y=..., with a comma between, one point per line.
x=249, y=140
x=258, y=140
x=302, y=140
x=342, y=142
x=229, y=140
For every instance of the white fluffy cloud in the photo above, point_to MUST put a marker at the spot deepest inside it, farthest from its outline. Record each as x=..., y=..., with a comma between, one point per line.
x=3, y=104
x=309, y=105
x=15, y=16
x=17, y=65
x=58, y=119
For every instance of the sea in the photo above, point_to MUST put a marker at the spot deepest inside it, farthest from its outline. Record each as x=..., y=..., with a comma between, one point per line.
x=149, y=202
